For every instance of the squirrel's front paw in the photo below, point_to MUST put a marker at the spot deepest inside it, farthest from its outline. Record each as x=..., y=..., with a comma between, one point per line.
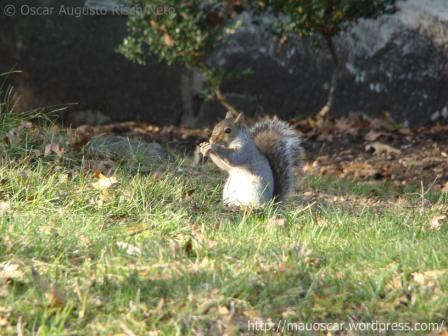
x=204, y=148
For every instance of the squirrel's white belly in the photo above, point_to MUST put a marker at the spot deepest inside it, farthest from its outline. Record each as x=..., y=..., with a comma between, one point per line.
x=244, y=188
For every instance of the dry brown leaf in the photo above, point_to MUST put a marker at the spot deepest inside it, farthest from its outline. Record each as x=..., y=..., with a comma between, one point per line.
x=63, y=178
x=359, y=170
x=345, y=127
x=439, y=128
x=4, y=207
x=4, y=321
x=445, y=188
x=428, y=279
x=383, y=123
x=15, y=134
x=223, y=310
x=11, y=271
x=373, y=135
x=276, y=222
x=434, y=223
x=56, y=297
x=325, y=136
x=380, y=148
x=54, y=148
x=396, y=283
x=405, y=131
x=129, y=248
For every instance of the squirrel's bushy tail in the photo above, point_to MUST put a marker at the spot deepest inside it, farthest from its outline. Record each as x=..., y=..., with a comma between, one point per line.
x=280, y=143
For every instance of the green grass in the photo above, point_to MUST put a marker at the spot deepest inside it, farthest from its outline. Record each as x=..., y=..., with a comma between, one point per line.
x=189, y=263
x=161, y=255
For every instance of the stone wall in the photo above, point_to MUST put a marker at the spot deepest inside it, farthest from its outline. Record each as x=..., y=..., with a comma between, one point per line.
x=397, y=63
x=69, y=60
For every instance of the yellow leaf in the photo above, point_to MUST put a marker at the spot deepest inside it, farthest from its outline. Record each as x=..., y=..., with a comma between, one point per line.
x=435, y=224
x=4, y=207
x=104, y=182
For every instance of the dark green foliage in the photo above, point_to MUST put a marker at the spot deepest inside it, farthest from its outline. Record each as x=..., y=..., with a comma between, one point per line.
x=327, y=17
x=179, y=31
x=188, y=32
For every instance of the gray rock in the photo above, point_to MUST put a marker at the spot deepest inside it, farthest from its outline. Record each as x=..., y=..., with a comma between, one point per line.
x=396, y=63
x=137, y=153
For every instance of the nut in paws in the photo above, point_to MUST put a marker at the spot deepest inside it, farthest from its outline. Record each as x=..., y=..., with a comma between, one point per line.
x=205, y=148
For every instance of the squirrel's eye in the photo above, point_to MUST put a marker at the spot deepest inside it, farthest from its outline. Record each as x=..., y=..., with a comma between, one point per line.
x=227, y=130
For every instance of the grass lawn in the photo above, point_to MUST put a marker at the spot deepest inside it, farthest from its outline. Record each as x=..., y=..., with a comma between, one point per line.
x=156, y=254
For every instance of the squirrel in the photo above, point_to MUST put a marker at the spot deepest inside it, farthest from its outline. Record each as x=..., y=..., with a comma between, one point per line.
x=259, y=160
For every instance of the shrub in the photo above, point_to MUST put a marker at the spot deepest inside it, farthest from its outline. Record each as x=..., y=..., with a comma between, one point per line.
x=328, y=18
x=184, y=32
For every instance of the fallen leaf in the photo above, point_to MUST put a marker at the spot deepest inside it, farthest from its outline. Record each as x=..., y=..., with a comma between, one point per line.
x=380, y=148
x=395, y=284
x=63, y=178
x=57, y=297
x=53, y=148
x=345, y=127
x=4, y=207
x=104, y=182
x=11, y=271
x=373, y=135
x=15, y=134
x=445, y=188
x=129, y=248
x=434, y=223
x=386, y=122
x=438, y=128
x=325, y=136
x=223, y=310
x=360, y=170
x=276, y=222
x=4, y=321
x=428, y=279
x=405, y=131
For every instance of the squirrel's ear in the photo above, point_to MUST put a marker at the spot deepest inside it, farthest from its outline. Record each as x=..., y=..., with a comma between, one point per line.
x=229, y=115
x=240, y=118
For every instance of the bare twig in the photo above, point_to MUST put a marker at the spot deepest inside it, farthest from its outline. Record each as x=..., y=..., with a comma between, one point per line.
x=325, y=111
x=224, y=101
x=126, y=330
x=20, y=327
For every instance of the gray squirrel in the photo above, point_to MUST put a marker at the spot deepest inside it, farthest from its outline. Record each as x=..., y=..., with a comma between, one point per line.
x=259, y=161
